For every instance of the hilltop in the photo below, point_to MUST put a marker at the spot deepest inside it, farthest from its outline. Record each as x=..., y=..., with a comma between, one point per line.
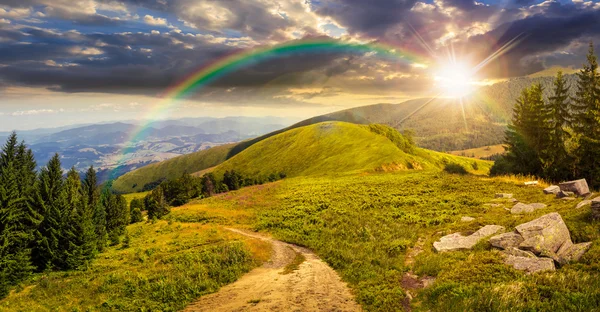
x=322, y=148
x=336, y=147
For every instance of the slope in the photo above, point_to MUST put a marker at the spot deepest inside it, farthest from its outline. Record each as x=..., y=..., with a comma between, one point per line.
x=135, y=181
x=336, y=147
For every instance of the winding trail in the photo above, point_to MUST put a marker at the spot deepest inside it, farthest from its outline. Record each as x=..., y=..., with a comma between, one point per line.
x=313, y=287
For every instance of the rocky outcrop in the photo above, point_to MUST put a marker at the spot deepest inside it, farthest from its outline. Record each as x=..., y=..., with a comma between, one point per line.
x=530, y=265
x=552, y=189
x=548, y=232
x=457, y=241
x=579, y=187
x=537, y=245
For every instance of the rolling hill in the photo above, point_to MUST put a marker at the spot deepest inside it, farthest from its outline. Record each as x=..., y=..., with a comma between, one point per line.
x=322, y=148
x=335, y=147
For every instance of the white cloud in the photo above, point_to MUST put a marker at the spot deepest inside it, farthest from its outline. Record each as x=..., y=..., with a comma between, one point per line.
x=85, y=51
x=155, y=32
x=156, y=21
x=36, y=112
x=15, y=13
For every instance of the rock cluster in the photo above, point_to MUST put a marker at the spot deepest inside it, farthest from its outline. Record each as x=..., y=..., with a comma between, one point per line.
x=457, y=241
x=537, y=245
x=579, y=187
x=552, y=189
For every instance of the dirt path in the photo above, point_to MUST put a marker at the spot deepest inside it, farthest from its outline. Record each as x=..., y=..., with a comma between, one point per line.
x=313, y=287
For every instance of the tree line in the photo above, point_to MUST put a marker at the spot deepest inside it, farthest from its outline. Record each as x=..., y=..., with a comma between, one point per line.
x=178, y=192
x=559, y=138
x=51, y=221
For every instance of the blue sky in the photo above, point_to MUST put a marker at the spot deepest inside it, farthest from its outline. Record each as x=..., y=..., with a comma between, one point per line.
x=66, y=61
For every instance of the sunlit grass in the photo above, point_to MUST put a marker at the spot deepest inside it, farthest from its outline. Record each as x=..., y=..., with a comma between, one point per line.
x=166, y=266
x=363, y=224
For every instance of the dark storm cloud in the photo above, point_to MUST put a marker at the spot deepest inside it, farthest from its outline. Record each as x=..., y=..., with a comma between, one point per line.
x=541, y=33
x=373, y=18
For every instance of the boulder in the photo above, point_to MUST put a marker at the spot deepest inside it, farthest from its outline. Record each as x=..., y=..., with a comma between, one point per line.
x=530, y=265
x=521, y=208
x=457, y=241
x=548, y=232
x=552, y=189
x=579, y=187
x=506, y=240
x=467, y=219
x=568, y=199
x=537, y=206
x=518, y=253
x=573, y=252
x=564, y=194
x=504, y=195
x=583, y=203
x=596, y=208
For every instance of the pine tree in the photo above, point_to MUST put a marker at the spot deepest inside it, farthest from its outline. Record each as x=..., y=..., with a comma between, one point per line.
x=156, y=204
x=50, y=202
x=91, y=192
x=117, y=212
x=586, y=121
x=558, y=163
x=78, y=230
x=17, y=220
x=525, y=137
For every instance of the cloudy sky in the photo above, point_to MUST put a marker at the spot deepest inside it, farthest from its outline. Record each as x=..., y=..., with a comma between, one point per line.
x=80, y=61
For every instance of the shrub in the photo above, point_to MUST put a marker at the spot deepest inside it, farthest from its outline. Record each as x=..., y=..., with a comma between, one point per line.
x=455, y=168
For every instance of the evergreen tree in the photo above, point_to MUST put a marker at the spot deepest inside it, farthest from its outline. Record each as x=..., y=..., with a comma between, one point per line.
x=156, y=204
x=17, y=219
x=91, y=192
x=525, y=136
x=586, y=121
x=50, y=202
x=117, y=212
x=78, y=230
x=558, y=163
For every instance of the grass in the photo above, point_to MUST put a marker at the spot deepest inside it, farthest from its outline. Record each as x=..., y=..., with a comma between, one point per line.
x=170, y=169
x=166, y=266
x=363, y=224
x=334, y=147
x=131, y=196
x=481, y=152
x=299, y=258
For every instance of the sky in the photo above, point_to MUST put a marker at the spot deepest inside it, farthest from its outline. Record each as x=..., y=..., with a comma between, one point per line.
x=85, y=61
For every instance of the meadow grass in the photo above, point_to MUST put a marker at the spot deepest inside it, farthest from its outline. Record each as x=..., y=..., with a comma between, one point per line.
x=165, y=266
x=363, y=224
x=131, y=196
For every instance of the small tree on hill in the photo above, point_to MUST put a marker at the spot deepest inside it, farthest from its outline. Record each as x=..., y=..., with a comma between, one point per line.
x=156, y=204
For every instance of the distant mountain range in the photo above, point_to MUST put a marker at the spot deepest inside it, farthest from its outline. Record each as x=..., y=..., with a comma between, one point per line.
x=112, y=150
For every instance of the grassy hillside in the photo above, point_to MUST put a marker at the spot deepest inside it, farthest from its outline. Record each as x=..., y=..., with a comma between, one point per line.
x=336, y=147
x=173, y=168
x=367, y=227
x=164, y=267
x=481, y=152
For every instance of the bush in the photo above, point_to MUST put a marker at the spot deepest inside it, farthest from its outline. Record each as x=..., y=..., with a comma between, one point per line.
x=136, y=216
x=455, y=169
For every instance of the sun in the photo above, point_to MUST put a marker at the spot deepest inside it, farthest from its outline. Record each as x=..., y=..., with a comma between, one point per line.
x=455, y=79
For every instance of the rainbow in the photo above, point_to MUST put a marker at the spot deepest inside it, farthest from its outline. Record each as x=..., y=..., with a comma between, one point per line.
x=241, y=59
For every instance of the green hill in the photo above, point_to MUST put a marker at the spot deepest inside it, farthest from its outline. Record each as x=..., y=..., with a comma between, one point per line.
x=327, y=147
x=135, y=181
x=336, y=147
